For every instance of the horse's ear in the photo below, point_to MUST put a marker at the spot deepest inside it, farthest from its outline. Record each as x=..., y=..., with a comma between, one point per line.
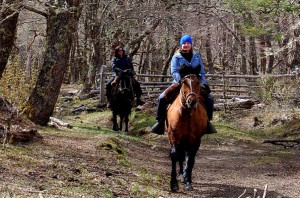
x=181, y=80
x=184, y=77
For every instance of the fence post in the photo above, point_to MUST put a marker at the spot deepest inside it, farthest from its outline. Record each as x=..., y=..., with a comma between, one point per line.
x=102, y=83
x=297, y=70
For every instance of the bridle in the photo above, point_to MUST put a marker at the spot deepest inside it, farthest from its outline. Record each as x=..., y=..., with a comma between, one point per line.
x=126, y=87
x=184, y=98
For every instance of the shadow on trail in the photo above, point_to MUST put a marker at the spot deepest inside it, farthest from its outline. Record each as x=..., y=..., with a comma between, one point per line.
x=208, y=190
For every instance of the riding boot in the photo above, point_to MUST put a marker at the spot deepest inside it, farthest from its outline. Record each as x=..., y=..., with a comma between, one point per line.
x=108, y=96
x=209, y=105
x=138, y=92
x=210, y=129
x=159, y=127
x=139, y=101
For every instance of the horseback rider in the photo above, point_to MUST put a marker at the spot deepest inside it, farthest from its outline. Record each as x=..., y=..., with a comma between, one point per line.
x=121, y=63
x=185, y=61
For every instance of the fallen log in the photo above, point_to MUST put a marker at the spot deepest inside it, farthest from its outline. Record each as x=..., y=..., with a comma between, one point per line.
x=236, y=103
x=82, y=108
x=58, y=122
x=284, y=143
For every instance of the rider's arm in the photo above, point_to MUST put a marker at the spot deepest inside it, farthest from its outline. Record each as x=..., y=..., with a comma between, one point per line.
x=175, y=69
x=115, y=65
x=202, y=71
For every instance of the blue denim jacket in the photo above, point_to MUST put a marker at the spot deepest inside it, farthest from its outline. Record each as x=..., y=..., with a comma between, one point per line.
x=178, y=61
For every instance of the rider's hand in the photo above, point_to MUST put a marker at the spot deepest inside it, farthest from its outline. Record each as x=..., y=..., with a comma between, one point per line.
x=118, y=70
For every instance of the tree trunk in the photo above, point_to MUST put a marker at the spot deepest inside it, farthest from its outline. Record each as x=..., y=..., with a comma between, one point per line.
x=208, y=50
x=285, y=52
x=61, y=24
x=263, y=57
x=296, y=56
x=8, y=24
x=83, y=55
x=244, y=59
x=75, y=61
x=271, y=56
x=96, y=61
x=253, y=56
x=95, y=29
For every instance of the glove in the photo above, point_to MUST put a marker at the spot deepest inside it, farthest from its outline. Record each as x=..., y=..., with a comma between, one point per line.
x=128, y=72
x=117, y=70
x=206, y=87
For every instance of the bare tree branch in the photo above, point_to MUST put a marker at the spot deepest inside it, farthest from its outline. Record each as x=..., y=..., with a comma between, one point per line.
x=45, y=14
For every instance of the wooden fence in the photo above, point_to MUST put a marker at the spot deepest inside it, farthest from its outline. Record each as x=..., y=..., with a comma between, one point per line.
x=222, y=86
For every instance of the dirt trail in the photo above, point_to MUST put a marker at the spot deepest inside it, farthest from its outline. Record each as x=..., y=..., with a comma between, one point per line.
x=229, y=169
x=67, y=165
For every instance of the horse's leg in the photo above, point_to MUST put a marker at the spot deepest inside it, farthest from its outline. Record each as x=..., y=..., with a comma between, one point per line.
x=174, y=183
x=126, y=120
x=181, y=160
x=188, y=177
x=189, y=168
x=115, y=124
x=121, y=122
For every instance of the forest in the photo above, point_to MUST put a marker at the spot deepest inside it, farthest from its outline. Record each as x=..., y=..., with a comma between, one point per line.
x=48, y=43
x=49, y=47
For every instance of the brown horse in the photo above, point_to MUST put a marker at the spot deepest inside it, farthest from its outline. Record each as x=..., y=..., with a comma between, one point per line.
x=186, y=124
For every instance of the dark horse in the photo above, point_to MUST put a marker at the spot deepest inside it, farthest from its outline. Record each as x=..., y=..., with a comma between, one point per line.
x=186, y=124
x=122, y=99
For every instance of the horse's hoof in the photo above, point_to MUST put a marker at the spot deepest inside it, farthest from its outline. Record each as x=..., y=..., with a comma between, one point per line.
x=174, y=186
x=188, y=186
x=181, y=178
x=115, y=128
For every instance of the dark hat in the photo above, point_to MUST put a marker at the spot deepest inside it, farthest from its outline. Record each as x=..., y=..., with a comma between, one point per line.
x=186, y=38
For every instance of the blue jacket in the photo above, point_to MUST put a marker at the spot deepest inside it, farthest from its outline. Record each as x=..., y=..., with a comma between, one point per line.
x=178, y=62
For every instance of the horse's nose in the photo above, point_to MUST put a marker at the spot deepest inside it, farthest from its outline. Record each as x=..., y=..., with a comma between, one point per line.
x=191, y=102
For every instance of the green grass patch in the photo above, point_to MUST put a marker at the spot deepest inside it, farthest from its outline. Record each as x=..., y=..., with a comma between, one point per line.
x=271, y=158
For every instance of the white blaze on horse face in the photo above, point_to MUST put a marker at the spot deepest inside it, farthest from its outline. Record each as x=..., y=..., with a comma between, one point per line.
x=189, y=97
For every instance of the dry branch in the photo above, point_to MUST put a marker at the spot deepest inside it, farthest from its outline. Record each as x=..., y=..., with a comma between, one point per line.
x=265, y=191
x=242, y=194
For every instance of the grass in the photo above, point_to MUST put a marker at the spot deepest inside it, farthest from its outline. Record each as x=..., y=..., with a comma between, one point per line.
x=90, y=160
x=271, y=158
